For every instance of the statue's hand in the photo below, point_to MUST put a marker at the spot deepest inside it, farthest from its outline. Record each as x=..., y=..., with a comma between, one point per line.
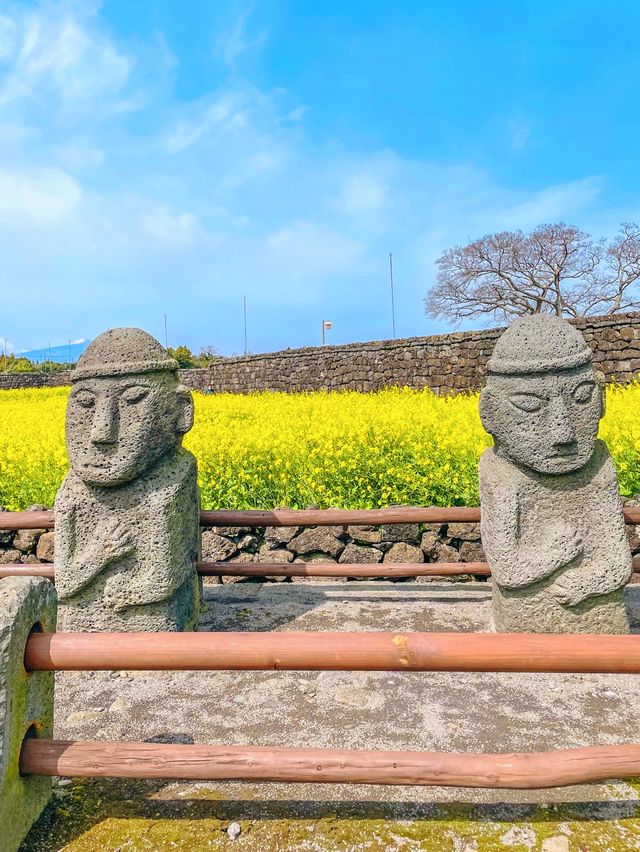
x=113, y=541
x=564, y=542
x=567, y=593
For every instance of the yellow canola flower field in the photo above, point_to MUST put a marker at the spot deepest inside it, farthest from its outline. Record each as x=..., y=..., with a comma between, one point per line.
x=343, y=449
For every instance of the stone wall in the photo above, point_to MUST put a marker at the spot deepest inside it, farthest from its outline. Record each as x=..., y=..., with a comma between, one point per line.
x=452, y=542
x=447, y=363
x=8, y=381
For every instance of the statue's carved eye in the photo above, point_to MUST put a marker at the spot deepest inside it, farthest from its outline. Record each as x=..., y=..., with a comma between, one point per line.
x=584, y=392
x=134, y=394
x=85, y=399
x=526, y=401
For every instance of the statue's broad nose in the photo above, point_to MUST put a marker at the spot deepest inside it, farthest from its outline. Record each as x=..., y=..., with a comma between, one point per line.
x=560, y=423
x=104, y=429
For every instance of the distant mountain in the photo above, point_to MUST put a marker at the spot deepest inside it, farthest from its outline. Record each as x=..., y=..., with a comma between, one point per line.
x=60, y=354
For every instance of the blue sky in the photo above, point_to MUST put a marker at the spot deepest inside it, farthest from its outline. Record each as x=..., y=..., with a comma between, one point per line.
x=163, y=157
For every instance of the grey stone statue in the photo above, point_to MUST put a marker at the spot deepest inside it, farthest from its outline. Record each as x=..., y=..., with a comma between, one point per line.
x=127, y=525
x=552, y=523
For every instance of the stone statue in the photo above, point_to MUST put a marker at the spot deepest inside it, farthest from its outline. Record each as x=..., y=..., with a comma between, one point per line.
x=552, y=524
x=127, y=525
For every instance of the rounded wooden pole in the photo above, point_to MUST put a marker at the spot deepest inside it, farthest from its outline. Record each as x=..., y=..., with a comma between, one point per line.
x=522, y=771
x=472, y=652
x=26, y=520
x=287, y=569
x=303, y=517
x=309, y=569
x=34, y=569
x=329, y=517
x=329, y=569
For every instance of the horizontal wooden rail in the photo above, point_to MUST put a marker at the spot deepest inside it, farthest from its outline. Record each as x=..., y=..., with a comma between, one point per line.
x=330, y=517
x=302, y=517
x=522, y=771
x=469, y=652
x=299, y=569
x=287, y=569
x=330, y=569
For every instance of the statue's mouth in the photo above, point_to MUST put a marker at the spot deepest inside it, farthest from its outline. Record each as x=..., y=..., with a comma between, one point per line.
x=568, y=452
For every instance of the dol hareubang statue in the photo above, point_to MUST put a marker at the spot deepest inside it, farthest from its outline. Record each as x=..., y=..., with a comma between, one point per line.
x=127, y=526
x=552, y=524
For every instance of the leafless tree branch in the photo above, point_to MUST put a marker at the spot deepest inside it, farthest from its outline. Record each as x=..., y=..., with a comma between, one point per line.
x=555, y=268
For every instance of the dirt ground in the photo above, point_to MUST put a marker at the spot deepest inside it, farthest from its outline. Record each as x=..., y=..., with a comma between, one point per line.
x=404, y=710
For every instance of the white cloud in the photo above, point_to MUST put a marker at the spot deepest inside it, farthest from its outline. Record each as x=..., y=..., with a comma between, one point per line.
x=39, y=199
x=306, y=249
x=172, y=230
x=55, y=52
x=554, y=203
x=363, y=193
x=234, y=40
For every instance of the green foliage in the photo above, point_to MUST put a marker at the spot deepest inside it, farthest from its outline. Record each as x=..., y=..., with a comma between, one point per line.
x=184, y=356
x=187, y=360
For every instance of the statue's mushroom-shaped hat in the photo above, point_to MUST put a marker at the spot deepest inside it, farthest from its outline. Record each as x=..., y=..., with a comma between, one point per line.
x=122, y=351
x=538, y=343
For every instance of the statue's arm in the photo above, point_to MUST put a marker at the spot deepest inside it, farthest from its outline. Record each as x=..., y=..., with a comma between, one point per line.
x=171, y=547
x=514, y=563
x=601, y=576
x=80, y=565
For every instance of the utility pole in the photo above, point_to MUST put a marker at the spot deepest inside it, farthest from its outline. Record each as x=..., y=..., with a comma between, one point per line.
x=326, y=324
x=69, y=351
x=244, y=312
x=166, y=338
x=393, y=307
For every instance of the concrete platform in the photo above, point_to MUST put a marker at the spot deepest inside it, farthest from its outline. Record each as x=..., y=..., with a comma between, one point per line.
x=405, y=710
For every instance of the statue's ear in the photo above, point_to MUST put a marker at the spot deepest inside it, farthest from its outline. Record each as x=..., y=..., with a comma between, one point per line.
x=600, y=386
x=184, y=421
x=487, y=409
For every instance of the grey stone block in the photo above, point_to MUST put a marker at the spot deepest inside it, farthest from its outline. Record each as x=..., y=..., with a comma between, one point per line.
x=216, y=548
x=400, y=532
x=318, y=540
x=26, y=703
x=402, y=551
x=359, y=554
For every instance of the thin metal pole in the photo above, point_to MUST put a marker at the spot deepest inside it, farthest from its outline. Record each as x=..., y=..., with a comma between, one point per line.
x=393, y=307
x=323, y=332
x=244, y=310
x=166, y=338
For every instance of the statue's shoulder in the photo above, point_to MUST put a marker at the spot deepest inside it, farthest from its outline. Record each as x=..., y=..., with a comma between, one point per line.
x=72, y=491
x=602, y=465
x=177, y=474
x=493, y=467
x=500, y=479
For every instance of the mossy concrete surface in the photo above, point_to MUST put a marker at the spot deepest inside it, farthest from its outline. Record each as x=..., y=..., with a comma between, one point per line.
x=405, y=710
x=26, y=703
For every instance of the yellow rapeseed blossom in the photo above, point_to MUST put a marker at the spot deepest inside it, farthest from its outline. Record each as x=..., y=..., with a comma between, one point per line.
x=343, y=449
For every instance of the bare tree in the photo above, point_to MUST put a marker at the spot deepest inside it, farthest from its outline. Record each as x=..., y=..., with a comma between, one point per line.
x=554, y=269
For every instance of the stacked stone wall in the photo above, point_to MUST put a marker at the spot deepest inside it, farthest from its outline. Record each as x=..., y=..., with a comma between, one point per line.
x=446, y=363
